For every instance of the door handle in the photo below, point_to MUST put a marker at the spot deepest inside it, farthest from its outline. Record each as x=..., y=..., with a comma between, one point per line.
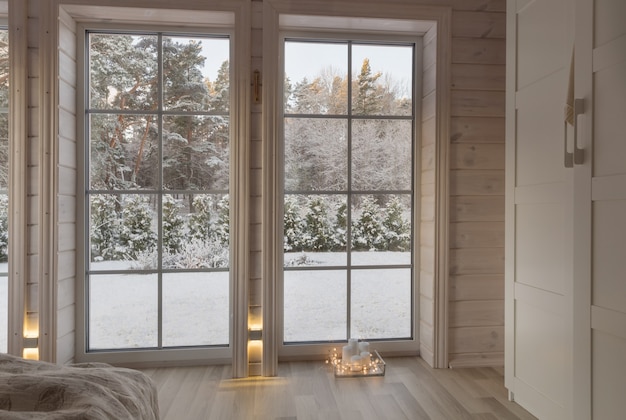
x=569, y=157
x=579, y=154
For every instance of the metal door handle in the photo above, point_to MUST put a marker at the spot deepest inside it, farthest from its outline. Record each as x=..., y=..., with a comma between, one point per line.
x=569, y=157
x=579, y=154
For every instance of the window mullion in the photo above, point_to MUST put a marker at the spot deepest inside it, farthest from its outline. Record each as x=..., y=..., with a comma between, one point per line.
x=160, y=185
x=349, y=201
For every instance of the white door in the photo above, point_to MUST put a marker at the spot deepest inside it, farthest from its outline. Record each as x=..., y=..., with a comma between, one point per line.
x=603, y=67
x=540, y=215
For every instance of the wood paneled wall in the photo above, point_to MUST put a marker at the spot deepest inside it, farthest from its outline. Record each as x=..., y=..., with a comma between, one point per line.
x=476, y=293
x=476, y=187
x=427, y=239
x=67, y=174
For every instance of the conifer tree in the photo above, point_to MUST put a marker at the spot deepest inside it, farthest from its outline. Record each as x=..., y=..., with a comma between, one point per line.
x=104, y=227
x=397, y=230
x=136, y=234
x=367, y=99
x=318, y=233
x=173, y=224
x=221, y=228
x=4, y=227
x=293, y=225
x=367, y=229
x=200, y=219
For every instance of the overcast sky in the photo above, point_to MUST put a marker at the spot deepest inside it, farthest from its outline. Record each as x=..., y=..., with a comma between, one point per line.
x=308, y=59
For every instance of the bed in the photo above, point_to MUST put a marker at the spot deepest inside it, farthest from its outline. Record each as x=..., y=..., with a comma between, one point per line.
x=39, y=390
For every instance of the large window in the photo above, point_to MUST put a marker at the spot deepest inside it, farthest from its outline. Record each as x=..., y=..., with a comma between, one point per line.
x=4, y=186
x=157, y=193
x=349, y=130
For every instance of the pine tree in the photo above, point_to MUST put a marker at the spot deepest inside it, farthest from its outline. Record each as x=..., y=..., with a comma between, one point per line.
x=293, y=225
x=200, y=219
x=341, y=227
x=397, y=231
x=220, y=89
x=367, y=230
x=221, y=228
x=104, y=227
x=4, y=228
x=367, y=100
x=319, y=233
x=173, y=224
x=136, y=234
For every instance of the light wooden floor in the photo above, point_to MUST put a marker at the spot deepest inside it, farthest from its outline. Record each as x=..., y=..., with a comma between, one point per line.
x=308, y=390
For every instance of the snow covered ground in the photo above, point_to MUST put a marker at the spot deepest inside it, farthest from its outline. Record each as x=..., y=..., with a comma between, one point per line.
x=124, y=308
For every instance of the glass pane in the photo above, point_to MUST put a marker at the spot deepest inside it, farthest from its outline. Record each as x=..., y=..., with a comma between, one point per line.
x=123, y=311
x=123, y=152
x=195, y=309
x=4, y=68
x=315, y=230
x=195, y=152
x=4, y=186
x=4, y=232
x=196, y=74
x=315, y=305
x=381, y=229
x=4, y=152
x=316, y=154
x=383, y=78
x=381, y=304
x=316, y=78
x=123, y=71
x=195, y=231
x=4, y=307
x=122, y=232
x=381, y=155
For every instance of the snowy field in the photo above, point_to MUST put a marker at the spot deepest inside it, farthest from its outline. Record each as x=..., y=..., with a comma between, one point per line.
x=124, y=308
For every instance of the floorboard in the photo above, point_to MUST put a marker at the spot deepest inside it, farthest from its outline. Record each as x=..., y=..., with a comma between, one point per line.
x=308, y=391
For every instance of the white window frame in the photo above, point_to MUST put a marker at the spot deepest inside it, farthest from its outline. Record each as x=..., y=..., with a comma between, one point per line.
x=402, y=18
x=408, y=345
x=5, y=275
x=209, y=20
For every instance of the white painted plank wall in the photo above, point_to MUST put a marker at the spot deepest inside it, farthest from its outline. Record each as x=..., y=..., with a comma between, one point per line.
x=67, y=167
x=32, y=218
x=476, y=294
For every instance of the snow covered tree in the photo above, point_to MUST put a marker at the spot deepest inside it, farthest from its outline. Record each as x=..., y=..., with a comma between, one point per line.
x=397, y=231
x=200, y=219
x=367, y=98
x=104, y=227
x=136, y=234
x=173, y=224
x=341, y=228
x=293, y=225
x=4, y=228
x=367, y=229
x=318, y=234
x=221, y=228
x=220, y=89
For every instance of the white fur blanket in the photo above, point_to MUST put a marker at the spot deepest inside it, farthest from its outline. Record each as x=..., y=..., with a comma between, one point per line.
x=39, y=390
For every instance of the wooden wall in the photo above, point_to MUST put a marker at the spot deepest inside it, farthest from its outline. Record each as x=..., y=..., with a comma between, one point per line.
x=67, y=174
x=476, y=187
x=476, y=283
x=427, y=239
